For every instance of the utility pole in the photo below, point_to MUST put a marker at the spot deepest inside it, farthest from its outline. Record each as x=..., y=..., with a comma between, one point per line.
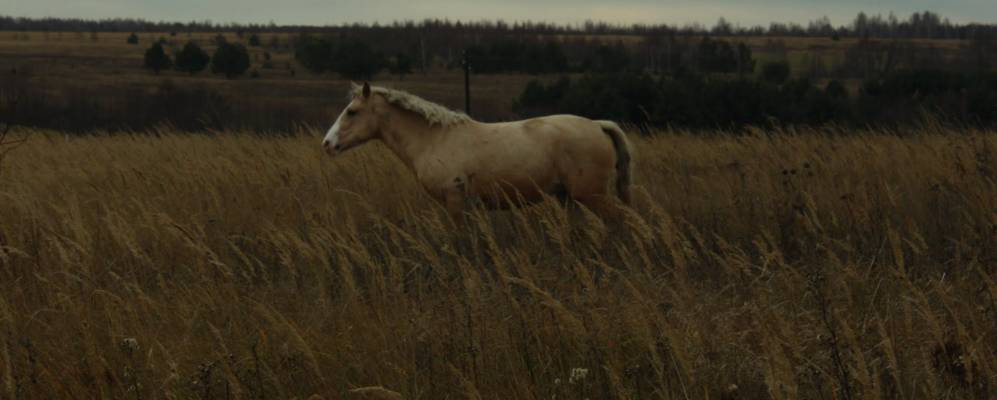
x=466, y=63
x=422, y=51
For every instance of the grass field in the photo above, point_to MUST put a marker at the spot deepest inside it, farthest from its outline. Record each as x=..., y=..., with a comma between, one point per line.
x=791, y=264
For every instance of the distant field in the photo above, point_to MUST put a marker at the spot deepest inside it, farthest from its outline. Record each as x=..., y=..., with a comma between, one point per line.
x=105, y=65
x=789, y=264
x=62, y=62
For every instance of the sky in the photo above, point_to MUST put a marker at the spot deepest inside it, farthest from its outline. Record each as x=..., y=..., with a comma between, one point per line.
x=333, y=12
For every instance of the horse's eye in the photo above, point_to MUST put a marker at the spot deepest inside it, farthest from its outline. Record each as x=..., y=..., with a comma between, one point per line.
x=351, y=113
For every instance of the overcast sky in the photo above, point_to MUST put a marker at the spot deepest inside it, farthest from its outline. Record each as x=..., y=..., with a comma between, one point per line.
x=325, y=12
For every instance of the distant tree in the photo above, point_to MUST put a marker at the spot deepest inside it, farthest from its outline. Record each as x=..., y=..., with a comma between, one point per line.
x=539, y=99
x=132, y=39
x=192, y=58
x=230, y=59
x=401, y=65
x=254, y=40
x=720, y=56
x=610, y=59
x=820, y=27
x=715, y=56
x=314, y=53
x=356, y=60
x=775, y=72
x=744, y=61
x=220, y=39
x=543, y=58
x=156, y=58
x=723, y=27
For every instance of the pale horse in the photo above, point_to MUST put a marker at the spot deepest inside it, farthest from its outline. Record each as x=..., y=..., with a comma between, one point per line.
x=459, y=160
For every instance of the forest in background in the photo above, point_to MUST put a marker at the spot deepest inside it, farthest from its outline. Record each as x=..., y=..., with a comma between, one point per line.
x=874, y=71
x=925, y=25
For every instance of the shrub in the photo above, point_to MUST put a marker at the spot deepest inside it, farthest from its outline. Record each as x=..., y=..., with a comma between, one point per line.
x=192, y=58
x=356, y=60
x=156, y=58
x=230, y=59
x=314, y=53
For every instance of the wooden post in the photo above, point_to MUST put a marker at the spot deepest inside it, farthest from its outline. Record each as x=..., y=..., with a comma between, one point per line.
x=466, y=63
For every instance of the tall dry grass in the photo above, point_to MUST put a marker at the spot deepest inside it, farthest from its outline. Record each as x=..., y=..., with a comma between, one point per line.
x=793, y=264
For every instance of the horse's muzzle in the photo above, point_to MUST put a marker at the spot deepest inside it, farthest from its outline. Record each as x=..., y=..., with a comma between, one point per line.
x=330, y=149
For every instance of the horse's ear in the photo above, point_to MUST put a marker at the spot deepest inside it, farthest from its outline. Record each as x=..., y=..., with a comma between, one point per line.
x=366, y=89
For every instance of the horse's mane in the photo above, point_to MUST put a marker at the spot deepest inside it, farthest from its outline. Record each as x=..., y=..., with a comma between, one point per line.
x=434, y=113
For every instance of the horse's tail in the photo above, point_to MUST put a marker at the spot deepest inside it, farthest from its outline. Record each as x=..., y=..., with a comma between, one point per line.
x=622, y=147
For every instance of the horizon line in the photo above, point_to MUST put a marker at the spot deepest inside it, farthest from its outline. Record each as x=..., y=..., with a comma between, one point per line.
x=569, y=25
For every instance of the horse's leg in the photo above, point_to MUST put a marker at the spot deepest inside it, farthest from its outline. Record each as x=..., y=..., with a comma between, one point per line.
x=454, y=200
x=591, y=189
x=562, y=195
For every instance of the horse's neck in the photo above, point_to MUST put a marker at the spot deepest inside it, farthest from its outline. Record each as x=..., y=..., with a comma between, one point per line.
x=409, y=136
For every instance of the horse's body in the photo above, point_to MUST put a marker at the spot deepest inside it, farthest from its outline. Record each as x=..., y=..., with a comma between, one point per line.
x=456, y=158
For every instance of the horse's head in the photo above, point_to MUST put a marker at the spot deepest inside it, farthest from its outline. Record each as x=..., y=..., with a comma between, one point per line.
x=356, y=124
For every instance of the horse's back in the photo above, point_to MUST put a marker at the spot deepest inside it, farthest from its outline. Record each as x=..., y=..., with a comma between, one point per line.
x=579, y=150
x=560, y=124
x=544, y=154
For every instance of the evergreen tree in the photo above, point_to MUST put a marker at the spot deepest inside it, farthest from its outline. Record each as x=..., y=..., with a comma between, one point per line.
x=156, y=58
x=356, y=60
x=230, y=59
x=192, y=58
x=314, y=53
x=132, y=39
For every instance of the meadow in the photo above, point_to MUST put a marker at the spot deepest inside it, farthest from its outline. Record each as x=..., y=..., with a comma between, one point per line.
x=792, y=263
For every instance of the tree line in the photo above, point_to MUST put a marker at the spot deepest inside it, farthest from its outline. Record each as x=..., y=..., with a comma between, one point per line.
x=924, y=24
x=660, y=79
x=693, y=100
x=357, y=58
x=230, y=59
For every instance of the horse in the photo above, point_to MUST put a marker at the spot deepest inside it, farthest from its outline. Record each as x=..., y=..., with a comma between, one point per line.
x=459, y=160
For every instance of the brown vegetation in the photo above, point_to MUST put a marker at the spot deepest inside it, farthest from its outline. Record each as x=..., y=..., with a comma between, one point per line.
x=104, y=78
x=793, y=264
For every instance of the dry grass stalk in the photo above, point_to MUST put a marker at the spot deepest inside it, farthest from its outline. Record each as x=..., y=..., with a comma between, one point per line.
x=256, y=267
